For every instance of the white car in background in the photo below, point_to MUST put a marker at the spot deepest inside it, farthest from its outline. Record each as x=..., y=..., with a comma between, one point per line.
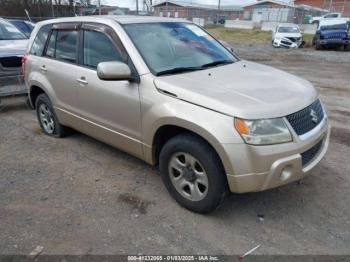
x=287, y=35
x=330, y=16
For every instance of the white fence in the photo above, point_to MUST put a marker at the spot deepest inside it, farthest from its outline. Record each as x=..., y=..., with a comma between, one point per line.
x=239, y=24
x=269, y=26
x=265, y=26
x=198, y=21
x=308, y=29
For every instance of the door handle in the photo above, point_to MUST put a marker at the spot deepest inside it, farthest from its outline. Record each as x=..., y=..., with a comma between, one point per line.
x=82, y=81
x=43, y=68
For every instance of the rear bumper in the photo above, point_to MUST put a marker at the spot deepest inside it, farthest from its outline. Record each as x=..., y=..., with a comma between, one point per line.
x=258, y=168
x=11, y=76
x=12, y=86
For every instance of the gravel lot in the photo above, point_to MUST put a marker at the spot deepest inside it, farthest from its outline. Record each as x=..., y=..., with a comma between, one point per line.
x=79, y=196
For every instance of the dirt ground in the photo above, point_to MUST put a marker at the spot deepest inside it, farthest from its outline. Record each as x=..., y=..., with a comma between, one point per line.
x=79, y=196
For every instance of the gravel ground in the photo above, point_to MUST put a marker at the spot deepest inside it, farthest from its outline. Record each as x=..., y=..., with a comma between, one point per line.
x=79, y=196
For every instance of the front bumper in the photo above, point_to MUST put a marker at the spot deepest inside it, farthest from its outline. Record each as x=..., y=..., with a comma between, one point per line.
x=285, y=42
x=257, y=168
x=339, y=42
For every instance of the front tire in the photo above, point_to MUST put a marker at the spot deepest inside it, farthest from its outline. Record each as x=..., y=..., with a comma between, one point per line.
x=47, y=118
x=192, y=173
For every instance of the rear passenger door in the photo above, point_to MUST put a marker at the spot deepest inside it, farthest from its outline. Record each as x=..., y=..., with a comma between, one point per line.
x=60, y=65
x=111, y=109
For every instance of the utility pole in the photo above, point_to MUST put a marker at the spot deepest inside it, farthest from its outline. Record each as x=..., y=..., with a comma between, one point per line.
x=52, y=10
x=137, y=7
x=167, y=8
x=99, y=7
x=218, y=15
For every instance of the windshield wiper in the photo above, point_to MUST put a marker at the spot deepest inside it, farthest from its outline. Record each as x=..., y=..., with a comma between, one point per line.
x=178, y=70
x=216, y=63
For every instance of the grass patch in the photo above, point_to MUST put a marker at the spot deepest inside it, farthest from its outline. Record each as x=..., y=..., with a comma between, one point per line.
x=239, y=36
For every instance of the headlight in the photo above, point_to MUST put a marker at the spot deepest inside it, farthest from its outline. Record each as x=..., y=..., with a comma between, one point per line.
x=264, y=131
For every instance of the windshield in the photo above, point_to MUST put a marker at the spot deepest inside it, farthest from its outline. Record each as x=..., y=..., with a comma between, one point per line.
x=288, y=29
x=10, y=32
x=176, y=47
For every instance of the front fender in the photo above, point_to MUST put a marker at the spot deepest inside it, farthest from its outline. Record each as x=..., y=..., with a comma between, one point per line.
x=216, y=128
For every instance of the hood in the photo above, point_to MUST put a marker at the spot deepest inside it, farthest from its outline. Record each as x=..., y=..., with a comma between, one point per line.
x=288, y=35
x=13, y=47
x=243, y=89
x=339, y=32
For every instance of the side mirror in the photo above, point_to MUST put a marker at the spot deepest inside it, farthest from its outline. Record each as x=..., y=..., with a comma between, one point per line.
x=113, y=71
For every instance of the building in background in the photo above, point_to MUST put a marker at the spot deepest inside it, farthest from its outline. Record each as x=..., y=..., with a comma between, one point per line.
x=340, y=6
x=299, y=11
x=268, y=10
x=190, y=11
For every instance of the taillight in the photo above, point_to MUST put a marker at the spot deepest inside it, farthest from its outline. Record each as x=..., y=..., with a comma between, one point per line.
x=24, y=61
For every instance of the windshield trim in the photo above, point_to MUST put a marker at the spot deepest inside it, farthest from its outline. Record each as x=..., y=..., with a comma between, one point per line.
x=184, y=22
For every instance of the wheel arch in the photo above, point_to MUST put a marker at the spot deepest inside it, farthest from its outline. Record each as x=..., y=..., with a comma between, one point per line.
x=167, y=131
x=34, y=92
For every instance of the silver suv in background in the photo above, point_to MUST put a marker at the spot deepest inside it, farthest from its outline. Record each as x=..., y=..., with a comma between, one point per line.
x=13, y=44
x=166, y=91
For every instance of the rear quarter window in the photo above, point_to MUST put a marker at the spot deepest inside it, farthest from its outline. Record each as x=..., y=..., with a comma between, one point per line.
x=40, y=40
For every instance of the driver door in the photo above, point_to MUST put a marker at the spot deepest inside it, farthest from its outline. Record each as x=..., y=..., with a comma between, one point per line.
x=110, y=109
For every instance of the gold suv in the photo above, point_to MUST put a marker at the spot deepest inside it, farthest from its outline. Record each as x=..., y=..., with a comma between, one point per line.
x=166, y=91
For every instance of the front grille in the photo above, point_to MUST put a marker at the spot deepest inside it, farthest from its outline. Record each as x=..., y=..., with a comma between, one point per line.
x=285, y=42
x=12, y=61
x=294, y=39
x=336, y=36
x=310, y=154
x=306, y=119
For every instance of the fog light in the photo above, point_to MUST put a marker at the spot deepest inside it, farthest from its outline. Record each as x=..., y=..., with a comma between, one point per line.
x=286, y=173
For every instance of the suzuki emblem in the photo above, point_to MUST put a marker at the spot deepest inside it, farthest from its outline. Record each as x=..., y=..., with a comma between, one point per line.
x=313, y=115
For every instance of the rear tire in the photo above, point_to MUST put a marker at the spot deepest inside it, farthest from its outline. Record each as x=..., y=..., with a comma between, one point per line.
x=47, y=118
x=192, y=173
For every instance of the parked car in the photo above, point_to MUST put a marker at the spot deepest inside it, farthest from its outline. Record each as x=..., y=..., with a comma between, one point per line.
x=329, y=16
x=287, y=35
x=26, y=27
x=167, y=92
x=13, y=44
x=332, y=34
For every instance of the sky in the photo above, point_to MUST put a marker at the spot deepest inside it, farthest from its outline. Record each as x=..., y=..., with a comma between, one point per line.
x=132, y=3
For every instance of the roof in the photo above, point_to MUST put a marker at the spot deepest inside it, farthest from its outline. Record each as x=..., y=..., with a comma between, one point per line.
x=277, y=2
x=309, y=7
x=121, y=19
x=200, y=6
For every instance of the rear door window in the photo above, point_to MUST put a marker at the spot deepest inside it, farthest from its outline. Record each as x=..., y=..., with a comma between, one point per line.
x=66, y=45
x=98, y=47
x=63, y=45
x=40, y=40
